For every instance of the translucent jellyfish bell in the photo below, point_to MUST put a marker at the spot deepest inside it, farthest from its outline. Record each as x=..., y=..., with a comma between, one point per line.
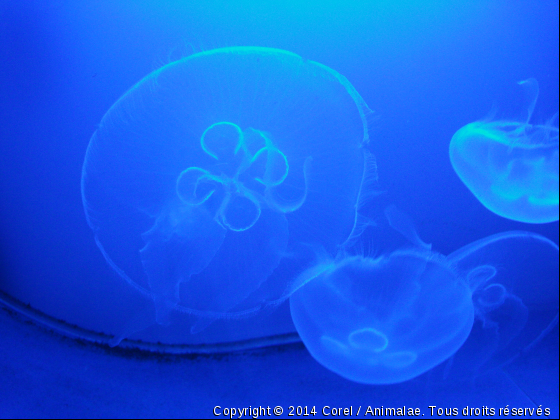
x=514, y=286
x=202, y=181
x=389, y=319
x=383, y=320
x=511, y=167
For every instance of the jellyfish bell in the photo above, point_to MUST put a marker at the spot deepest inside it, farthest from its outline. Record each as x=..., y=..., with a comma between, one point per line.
x=514, y=281
x=394, y=317
x=384, y=320
x=205, y=175
x=511, y=166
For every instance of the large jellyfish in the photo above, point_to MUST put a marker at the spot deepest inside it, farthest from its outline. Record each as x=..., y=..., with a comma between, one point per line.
x=511, y=167
x=389, y=319
x=205, y=179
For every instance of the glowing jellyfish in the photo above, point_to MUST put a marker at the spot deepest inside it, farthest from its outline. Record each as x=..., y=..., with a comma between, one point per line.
x=389, y=319
x=511, y=167
x=202, y=181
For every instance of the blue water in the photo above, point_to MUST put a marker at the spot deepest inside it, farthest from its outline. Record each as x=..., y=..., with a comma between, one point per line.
x=425, y=69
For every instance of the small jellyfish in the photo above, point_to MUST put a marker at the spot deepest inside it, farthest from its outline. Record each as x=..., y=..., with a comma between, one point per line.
x=391, y=318
x=204, y=179
x=515, y=296
x=511, y=166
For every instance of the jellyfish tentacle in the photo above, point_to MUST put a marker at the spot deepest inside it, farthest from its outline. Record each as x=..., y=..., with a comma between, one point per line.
x=531, y=87
x=403, y=224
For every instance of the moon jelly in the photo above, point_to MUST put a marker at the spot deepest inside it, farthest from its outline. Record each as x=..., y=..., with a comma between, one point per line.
x=511, y=167
x=516, y=303
x=389, y=319
x=202, y=180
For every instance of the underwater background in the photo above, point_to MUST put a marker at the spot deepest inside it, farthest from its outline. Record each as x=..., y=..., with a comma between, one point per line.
x=426, y=69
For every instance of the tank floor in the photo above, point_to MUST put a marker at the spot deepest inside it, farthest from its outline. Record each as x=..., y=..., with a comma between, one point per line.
x=44, y=374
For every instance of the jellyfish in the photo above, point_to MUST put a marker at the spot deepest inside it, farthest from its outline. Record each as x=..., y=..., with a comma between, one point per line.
x=511, y=166
x=390, y=318
x=203, y=181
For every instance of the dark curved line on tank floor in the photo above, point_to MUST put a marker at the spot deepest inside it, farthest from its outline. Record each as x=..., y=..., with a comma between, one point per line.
x=76, y=332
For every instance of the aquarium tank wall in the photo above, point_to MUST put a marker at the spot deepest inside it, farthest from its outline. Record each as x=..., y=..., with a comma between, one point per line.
x=279, y=209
